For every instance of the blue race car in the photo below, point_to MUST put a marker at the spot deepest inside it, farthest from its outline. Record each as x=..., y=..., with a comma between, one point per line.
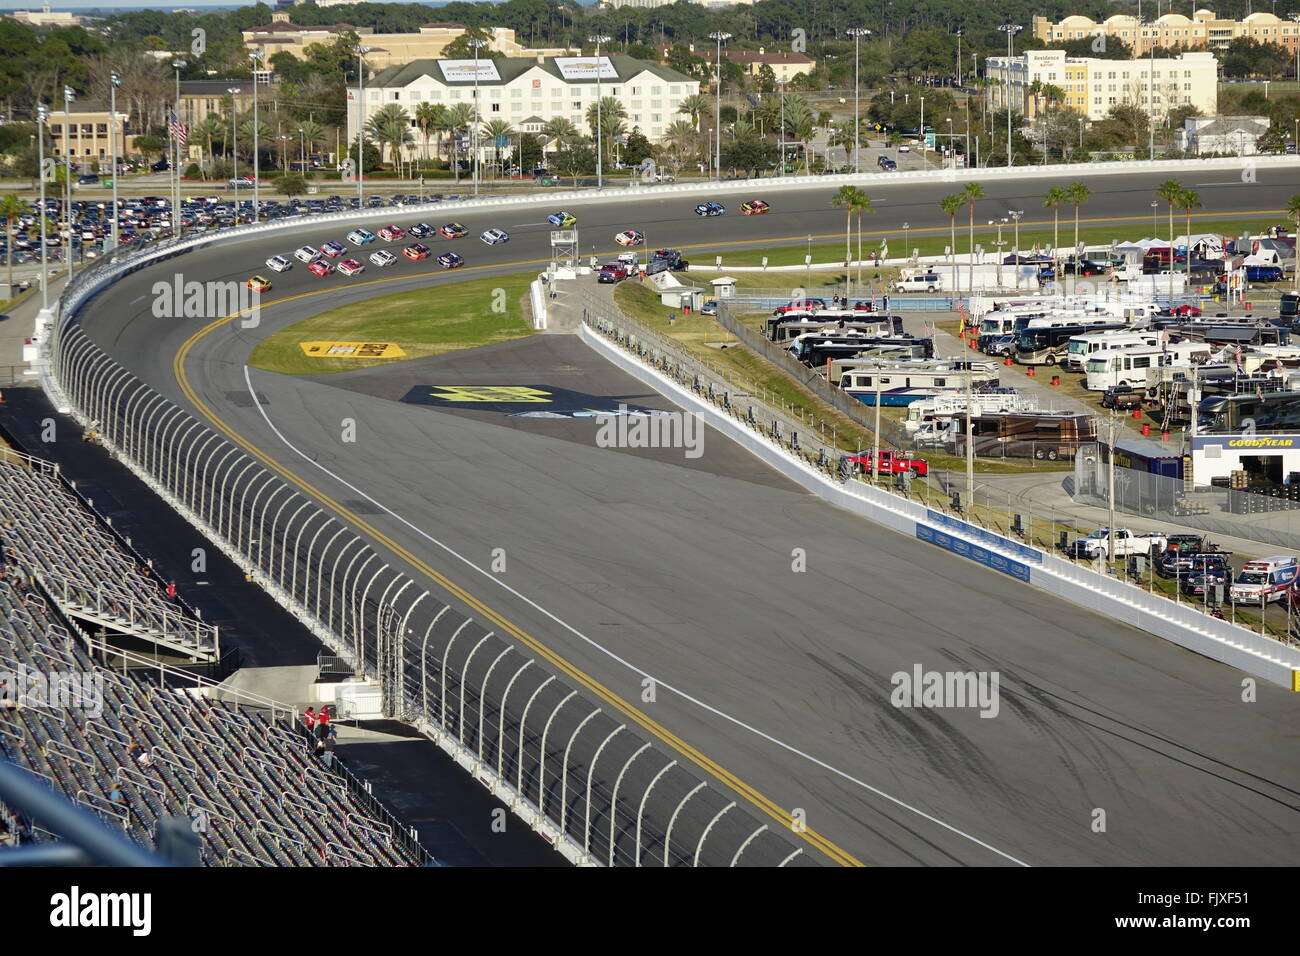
x=710, y=209
x=562, y=219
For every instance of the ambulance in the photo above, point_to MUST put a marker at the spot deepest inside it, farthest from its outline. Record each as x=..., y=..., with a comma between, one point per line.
x=1265, y=581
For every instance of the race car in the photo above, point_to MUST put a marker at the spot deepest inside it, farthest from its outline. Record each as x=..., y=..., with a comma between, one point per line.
x=629, y=237
x=305, y=254
x=416, y=251
x=453, y=230
x=389, y=233
x=259, y=283
x=562, y=219
x=754, y=207
x=321, y=267
x=449, y=260
x=382, y=257
x=494, y=236
x=351, y=267
x=710, y=209
x=359, y=237
x=333, y=249
x=279, y=264
x=420, y=230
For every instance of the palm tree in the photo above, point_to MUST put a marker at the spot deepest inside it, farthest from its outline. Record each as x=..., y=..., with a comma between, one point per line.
x=1170, y=191
x=802, y=123
x=1293, y=210
x=1076, y=194
x=696, y=106
x=310, y=133
x=1188, y=200
x=209, y=128
x=391, y=125
x=427, y=118
x=459, y=118
x=952, y=205
x=848, y=197
x=11, y=208
x=970, y=193
x=1053, y=200
x=496, y=130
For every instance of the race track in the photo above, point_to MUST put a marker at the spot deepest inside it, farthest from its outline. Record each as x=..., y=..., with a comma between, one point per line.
x=643, y=563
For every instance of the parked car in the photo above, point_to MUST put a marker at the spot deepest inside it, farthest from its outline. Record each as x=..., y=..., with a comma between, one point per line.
x=891, y=463
x=1264, y=274
x=709, y=308
x=926, y=282
x=1127, y=542
x=800, y=305
x=1122, y=397
x=1206, y=575
x=1002, y=345
x=887, y=164
x=612, y=272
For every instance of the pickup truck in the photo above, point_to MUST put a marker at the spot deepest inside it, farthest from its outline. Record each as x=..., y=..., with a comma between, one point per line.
x=1126, y=543
x=891, y=463
x=614, y=272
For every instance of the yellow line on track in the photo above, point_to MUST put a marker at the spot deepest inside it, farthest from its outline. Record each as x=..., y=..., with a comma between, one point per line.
x=759, y=801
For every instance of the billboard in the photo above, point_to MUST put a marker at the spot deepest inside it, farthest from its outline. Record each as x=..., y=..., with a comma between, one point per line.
x=465, y=71
x=585, y=67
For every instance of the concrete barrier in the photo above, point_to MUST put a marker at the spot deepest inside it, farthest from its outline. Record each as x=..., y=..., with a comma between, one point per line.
x=1118, y=600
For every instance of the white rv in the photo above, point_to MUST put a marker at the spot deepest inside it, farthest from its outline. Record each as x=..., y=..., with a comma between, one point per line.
x=1129, y=366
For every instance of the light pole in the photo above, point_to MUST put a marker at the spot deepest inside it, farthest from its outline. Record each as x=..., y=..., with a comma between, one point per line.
x=598, y=39
x=857, y=33
x=361, y=52
x=1155, y=228
x=958, y=58
x=114, y=81
x=234, y=147
x=43, y=114
x=924, y=142
x=1010, y=29
x=951, y=145
x=302, y=154
x=906, y=252
x=1295, y=17
x=177, y=65
x=68, y=96
x=781, y=84
x=478, y=116
x=718, y=36
x=255, y=56
x=1015, y=215
x=999, y=243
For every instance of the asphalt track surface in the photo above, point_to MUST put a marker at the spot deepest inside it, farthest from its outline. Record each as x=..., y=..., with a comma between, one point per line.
x=635, y=563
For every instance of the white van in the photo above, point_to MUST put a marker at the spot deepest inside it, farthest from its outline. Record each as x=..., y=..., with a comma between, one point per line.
x=1265, y=581
x=925, y=282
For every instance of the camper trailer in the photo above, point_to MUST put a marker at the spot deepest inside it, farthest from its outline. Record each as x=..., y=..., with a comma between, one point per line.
x=902, y=383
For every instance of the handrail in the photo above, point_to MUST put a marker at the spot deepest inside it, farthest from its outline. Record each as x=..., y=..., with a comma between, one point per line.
x=60, y=816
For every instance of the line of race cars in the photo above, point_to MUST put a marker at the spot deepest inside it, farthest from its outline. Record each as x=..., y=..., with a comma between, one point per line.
x=322, y=261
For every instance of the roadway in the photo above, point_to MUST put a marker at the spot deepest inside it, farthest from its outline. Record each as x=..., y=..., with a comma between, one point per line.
x=630, y=564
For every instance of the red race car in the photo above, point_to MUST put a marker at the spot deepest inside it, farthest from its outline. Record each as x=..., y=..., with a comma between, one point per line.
x=416, y=252
x=321, y=268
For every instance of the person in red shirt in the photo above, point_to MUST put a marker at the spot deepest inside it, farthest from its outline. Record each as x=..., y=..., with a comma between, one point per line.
x=323, y=722
x=309, y=721
x=171, y=590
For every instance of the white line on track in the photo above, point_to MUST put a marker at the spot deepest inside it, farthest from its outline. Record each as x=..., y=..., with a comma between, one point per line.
x=610, y=654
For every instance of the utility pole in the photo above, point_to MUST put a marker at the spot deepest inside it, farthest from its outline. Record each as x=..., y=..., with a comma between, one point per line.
x=875, y=454
x=1010, y=29
x=598, y=39
x=1015, y=214
x=959, y=57
x=68, y=96
x=719, y=36
x=177, y=65
x=970, y=438
x=361, y=52
x=1110, y=492
x=1151, y=121
x=857, y=33
x=234, y=147
x=255, y=56
x=43, y=114
x=114, y=81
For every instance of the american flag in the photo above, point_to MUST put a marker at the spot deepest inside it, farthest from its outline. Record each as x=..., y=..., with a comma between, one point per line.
x=177, y=129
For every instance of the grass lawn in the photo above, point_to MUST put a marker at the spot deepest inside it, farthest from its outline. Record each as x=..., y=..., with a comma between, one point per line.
x=704, y=338
x=422, y=322
x=932, y=241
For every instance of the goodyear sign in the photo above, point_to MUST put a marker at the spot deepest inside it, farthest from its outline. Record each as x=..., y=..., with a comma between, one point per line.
x=1247, y=442
x=524, y=401
x=367, y=350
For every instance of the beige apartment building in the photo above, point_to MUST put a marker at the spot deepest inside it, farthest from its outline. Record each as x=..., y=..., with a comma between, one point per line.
x=86, y=137
x=1203, y=30
x=785, y=64
x=1093, y=86
x=387, y=49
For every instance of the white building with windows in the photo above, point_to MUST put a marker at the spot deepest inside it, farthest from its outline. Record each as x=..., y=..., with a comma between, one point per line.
x=1094, y=86
x=527, y=92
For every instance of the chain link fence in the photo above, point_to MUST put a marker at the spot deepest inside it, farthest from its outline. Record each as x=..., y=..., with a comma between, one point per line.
x=575, y=761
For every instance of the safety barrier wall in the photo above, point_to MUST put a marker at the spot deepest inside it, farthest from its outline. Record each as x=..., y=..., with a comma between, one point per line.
x=631, y=348
x=579, y=773
x=577, y=770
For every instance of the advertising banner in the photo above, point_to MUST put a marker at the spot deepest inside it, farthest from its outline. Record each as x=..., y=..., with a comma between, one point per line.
x=464, y=71
x=585, y=67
